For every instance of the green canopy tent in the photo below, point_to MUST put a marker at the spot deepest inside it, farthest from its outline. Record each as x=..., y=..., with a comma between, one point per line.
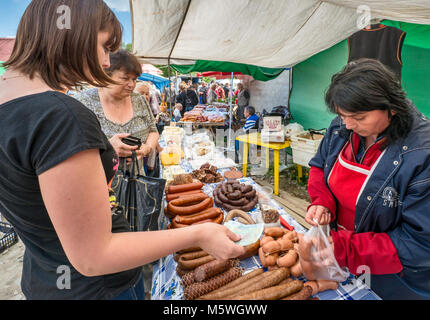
x=2, y=70
x=312, y=77
x=258, y=73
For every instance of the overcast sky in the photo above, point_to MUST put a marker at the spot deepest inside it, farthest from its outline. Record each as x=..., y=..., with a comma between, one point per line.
x=12, y=10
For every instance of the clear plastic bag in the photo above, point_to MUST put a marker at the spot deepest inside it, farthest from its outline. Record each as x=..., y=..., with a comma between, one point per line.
x=317, y=256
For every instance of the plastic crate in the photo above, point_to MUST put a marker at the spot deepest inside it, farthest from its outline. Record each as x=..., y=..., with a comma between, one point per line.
x=10, y=237
x=304, y=148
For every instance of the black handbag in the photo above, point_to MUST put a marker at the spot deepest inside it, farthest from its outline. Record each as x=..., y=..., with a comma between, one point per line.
x=140, y=196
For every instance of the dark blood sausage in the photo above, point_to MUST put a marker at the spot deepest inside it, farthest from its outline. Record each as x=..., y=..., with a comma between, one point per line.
x=218, y=201
x=250, y=205
x=229, y=188
x=236, y=186
x=224, y=188
x=222, y=197
x=236, y=195
x=245, y=189
x=238, y=203
x=251, y=194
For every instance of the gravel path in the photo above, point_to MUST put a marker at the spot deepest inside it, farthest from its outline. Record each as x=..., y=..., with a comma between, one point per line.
x=10, y=272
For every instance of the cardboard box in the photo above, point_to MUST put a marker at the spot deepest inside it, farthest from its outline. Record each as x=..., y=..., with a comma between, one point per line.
x=268, y=136
x=272, y=124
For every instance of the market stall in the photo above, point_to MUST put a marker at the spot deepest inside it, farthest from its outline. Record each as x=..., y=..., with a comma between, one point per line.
x=216, y=179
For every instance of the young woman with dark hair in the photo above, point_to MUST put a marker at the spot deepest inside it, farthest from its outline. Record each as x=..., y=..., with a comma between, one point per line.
x=56, y=163
x=370, y=181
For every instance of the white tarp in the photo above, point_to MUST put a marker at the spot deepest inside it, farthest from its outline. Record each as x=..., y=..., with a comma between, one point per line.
x=267, y=33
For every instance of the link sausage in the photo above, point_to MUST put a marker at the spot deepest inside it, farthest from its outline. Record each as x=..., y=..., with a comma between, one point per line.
x=185, y=187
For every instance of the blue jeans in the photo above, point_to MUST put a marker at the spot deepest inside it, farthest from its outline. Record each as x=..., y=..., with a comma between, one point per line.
x=136, y=292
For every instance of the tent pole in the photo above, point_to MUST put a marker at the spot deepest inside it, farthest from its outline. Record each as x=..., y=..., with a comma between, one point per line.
x=230, y=98
x=170, y=89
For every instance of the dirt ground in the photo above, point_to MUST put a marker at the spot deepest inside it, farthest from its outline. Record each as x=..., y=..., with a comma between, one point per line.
x=10, y=272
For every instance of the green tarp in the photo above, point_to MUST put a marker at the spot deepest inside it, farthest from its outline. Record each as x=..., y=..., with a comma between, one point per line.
x=312, y=77
x=2, y=70
x=258, y=73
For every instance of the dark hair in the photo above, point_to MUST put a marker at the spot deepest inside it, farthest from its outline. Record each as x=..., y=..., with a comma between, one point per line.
x=251, y=110
x=60, y=55
x=124, y=61
x=366, y=85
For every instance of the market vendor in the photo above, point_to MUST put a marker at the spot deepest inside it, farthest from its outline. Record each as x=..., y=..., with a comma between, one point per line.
x=370, y=181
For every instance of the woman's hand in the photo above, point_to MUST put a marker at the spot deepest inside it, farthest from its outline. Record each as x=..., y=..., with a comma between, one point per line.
x=123, y=150
x=318, y=213
x=218, y=241
x=144, y=151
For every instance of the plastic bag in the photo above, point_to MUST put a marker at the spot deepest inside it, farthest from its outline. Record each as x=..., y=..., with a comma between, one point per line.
x=317, y=256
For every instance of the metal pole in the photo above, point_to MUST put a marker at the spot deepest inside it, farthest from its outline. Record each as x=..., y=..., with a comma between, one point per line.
x=230, y=98
x=170, y=90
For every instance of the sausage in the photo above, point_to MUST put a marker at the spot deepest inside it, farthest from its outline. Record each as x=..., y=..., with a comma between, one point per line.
x=296, y=270
x=198, y=289
x=262, y=257
x=251, y=194
x=239, y=203
x=187, y=210
x=271, y=259
x=273, y=292
x=303, y=294
x=189, y=199
x=182, y=272
x=229, y=188
x=275, y=232
x=286, y=244
x=313, y=285
x=185, y=187
x=250, y=250
x=271, y=247
x=222, y=197
x=192, y=255
x=175, y=225
x=251, y=205
x=211, y=269
x=239, y=213
x=236, y=186
x=288, y=260
x=265, y=239
x=192, y=264
x=173, y=196
x=265, y=280
x=245, y=188
x=193, y=249
x=234, y=286
x=224, y=188
x=236, y=195
x=200, y=216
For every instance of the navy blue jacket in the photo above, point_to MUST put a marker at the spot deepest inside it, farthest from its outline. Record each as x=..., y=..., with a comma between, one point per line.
x=396, y=201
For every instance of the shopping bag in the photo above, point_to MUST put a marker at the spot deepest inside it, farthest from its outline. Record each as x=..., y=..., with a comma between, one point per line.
x=317, y=256
x=140, y=196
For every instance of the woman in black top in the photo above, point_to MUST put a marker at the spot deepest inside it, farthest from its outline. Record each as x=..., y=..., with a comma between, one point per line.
x=188, y=98
x=56, y=163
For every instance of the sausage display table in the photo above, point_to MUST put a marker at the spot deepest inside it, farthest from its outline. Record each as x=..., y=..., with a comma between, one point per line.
x=255, y=139
x=166, y=283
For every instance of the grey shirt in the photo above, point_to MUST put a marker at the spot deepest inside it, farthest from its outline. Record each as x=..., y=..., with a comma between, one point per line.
x=140, y=126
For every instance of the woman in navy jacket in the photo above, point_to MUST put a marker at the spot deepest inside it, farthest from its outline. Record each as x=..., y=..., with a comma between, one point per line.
x=370, y=179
